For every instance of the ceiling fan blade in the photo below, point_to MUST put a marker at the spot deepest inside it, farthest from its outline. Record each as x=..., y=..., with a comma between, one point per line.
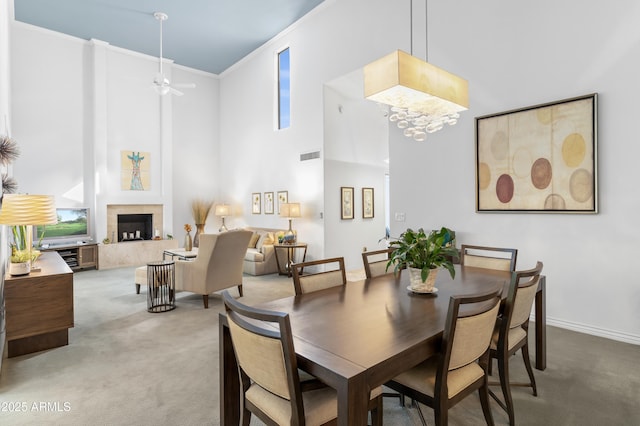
x=185, y=85
x=175, y=92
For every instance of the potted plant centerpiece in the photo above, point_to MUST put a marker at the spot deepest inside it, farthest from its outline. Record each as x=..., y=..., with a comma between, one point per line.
x=22, y=256
x=423, y=254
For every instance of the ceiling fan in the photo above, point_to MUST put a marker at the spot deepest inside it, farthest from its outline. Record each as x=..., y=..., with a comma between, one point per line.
x=161, y=83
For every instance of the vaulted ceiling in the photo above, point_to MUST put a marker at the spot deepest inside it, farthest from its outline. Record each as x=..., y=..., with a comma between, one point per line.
x=208, y=35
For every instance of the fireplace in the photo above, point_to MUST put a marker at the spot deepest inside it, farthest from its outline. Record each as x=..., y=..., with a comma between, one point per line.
x=115, y=211
x=132, y=227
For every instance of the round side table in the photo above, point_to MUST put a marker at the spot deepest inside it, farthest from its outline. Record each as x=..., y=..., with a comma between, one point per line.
x=161, y=286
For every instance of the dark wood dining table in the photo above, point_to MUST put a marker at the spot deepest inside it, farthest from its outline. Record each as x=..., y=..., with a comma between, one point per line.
x=357, y=337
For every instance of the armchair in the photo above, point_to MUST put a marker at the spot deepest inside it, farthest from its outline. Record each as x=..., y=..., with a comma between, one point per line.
x=218, y=265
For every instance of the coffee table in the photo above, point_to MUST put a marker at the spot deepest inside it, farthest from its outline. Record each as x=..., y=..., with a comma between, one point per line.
x=180, y=253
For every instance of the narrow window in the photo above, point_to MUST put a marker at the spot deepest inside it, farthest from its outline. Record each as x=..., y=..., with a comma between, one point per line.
x=284, y=92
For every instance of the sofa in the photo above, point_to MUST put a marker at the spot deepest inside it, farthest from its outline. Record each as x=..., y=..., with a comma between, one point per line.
x=260, y=258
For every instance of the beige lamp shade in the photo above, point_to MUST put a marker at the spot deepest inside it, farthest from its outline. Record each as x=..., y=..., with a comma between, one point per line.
x=222, y=210
x=290, y=210
x=404, y=81
x=27, y=209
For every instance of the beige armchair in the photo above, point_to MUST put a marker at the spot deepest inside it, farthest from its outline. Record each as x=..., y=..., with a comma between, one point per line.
x=218, y=265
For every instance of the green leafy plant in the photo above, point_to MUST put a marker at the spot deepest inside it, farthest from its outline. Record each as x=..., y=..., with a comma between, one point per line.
x=20, y=256
x=417, y=249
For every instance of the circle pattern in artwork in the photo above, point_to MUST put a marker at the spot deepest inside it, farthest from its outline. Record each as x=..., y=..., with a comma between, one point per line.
x=504, y=188
x=580, y=185
x=574, y=149
x=484, y=176
x=521, y=162
x=554, y=202
x=500, y=146
x=541, y=173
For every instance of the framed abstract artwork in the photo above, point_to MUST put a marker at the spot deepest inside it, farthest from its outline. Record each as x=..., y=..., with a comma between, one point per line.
x=539, y=159
x=367, y=203
x=283, y=197
x=268, y=203
x=256, y=203
x=346, y=202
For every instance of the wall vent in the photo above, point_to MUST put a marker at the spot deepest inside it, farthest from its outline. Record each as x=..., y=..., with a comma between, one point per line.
x=309, y=155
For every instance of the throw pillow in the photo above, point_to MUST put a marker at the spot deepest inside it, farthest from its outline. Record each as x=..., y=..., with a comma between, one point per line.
x=254, y=240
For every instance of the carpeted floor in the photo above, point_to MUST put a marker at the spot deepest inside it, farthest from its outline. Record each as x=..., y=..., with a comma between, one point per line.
x=125, y=366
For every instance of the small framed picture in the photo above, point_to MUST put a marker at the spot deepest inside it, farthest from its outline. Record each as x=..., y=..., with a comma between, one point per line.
x=268, y=203
x=346, y=202
x=256, y=202
x=367, y=203
x=283, y=197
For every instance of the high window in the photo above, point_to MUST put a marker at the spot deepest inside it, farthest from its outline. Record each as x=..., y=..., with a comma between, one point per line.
x=284, y=89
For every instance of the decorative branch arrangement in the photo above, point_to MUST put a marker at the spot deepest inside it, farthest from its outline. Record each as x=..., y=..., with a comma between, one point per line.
x=9, y=151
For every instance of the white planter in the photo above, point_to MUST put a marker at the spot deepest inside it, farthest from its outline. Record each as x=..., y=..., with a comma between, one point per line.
x=415, y=279
x=19, y=268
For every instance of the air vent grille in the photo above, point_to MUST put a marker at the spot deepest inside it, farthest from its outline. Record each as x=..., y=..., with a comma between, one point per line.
x=309, y=155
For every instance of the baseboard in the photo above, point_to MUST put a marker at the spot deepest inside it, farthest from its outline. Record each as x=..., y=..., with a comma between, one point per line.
x=595, y=331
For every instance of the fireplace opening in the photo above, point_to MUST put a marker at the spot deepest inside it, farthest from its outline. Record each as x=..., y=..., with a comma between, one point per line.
x=134, y=227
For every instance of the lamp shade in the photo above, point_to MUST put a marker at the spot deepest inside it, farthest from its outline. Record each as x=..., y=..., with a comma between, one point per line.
x=222, y=210
x=404, y=81
x=27, y=209
x=290, y=209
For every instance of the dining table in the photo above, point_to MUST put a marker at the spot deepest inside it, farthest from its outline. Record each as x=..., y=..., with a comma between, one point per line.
x=358, y=336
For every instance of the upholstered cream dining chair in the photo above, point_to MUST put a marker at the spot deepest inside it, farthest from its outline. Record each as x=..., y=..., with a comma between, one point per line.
x=375, y=262
x=512, y=333
x=270, y=380
x=502, y=259
x=332, y=274
x=218, y=265
x=460, y=367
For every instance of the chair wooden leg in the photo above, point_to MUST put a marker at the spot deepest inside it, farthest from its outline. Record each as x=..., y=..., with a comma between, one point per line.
x=503, y=367
x=240, y=290
x=527, y=364
x=246, y=417
x=376, y=411
x=484, y=401
x=205, y=300
x=137, y=288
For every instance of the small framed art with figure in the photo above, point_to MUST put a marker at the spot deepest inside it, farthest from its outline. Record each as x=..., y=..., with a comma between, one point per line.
x=346, y=202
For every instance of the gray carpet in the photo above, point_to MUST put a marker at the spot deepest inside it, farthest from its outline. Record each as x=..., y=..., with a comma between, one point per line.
x=125, y=366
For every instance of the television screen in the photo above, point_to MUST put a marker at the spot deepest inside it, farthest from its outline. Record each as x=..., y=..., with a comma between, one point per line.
x=72, y=223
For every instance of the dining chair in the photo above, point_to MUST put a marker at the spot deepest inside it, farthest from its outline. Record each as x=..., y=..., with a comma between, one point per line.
x=460, y=366
x=375, y=262
x=270, y=380
x=502, y=259
x=331, y=273
x=512, y=333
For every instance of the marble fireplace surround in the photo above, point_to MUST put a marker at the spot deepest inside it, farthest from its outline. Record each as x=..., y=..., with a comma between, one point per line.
x=132, y=253
x=113, y=210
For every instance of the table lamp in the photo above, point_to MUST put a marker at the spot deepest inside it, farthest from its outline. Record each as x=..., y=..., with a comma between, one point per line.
x=290, y=210
x=23, y=211
x=222, y=210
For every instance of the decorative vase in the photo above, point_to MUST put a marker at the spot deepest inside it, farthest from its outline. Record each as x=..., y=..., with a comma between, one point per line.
x=22, y=268
x=199, y=230
x=188, y=243
x=415, y=278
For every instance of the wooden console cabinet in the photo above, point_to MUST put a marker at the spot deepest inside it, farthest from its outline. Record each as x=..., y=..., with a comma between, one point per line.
x=39, y=307
x=78, y=256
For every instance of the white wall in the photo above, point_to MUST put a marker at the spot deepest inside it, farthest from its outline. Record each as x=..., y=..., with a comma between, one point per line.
x=520, y=54
x=356, y=150
x=326, y=44
x=78, y=104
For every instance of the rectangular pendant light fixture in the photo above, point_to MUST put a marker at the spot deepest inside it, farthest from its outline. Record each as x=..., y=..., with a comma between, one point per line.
x=404, y=81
